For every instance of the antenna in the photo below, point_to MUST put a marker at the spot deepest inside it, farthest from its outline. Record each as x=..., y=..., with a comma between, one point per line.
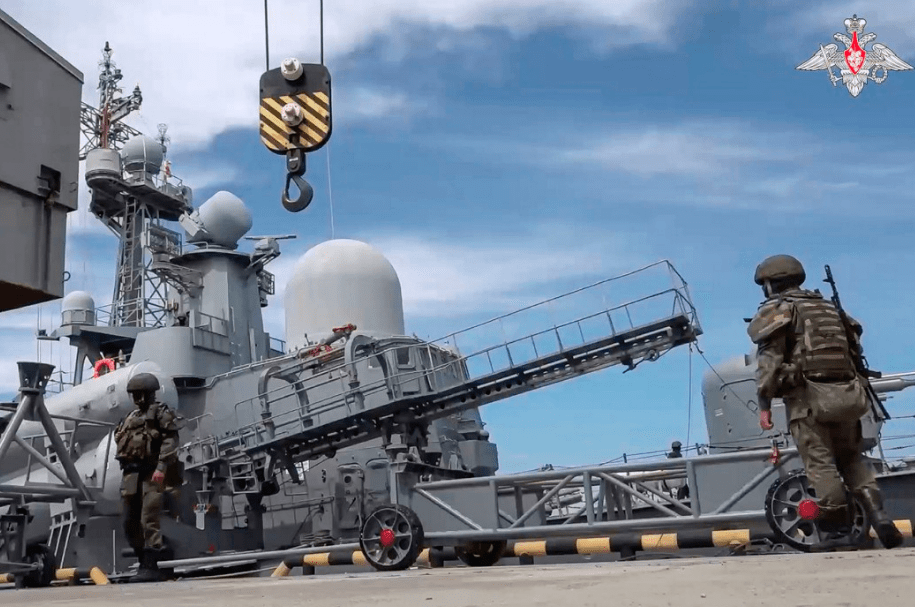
x=283, y=237
x=131, y=195
x=164, y=139
x=103, y=128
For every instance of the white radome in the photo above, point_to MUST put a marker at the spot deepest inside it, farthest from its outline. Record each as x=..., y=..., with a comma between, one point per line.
x=339, y=282
x=77, y=308
x=77, y=300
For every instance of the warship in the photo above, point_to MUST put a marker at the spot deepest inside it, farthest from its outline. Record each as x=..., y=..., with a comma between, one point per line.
x=350, y=441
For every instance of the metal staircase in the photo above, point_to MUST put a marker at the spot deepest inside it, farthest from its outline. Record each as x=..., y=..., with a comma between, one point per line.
x=128, y=286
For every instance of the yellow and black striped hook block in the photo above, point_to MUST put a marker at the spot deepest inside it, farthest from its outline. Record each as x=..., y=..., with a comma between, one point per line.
x=295, y=119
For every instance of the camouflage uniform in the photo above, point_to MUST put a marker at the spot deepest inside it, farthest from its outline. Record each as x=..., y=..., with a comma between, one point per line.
x=804, y=357
x=147, y=442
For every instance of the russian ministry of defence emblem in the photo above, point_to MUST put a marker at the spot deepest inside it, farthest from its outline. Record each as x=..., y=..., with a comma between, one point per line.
x=855, y=64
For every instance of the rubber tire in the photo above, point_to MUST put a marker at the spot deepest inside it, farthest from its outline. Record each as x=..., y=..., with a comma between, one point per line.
x=43, y=577
x=781, y=537
x=481, y=554
x=416, y=528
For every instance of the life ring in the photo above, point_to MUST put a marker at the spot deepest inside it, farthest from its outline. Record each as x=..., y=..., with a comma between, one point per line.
x=104, y=362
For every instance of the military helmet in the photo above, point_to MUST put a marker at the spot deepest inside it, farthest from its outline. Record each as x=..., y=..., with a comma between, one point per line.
x=779, y=268
x=143, y=382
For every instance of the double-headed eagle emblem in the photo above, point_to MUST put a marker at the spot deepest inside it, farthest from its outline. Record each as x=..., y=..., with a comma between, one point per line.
x=856, y=65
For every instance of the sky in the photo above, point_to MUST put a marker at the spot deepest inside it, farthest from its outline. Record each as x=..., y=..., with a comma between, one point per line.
x=502, y=152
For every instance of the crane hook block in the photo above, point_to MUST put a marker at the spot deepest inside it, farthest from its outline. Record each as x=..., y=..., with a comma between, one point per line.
x=295, y=107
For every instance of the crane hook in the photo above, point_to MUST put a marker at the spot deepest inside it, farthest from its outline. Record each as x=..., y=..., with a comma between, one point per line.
x=295, y=168
x=306, y=193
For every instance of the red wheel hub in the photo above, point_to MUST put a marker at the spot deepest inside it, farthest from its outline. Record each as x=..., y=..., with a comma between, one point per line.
x=387, y=538
x=808, y=510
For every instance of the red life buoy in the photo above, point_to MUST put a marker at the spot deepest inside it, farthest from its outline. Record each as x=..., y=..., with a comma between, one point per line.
x=104, y=362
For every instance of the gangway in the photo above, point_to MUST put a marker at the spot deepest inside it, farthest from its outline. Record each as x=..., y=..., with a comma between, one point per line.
x=415, y=382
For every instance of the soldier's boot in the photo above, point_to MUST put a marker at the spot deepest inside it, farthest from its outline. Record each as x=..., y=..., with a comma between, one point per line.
x=836, y=526
x=148, y=570
x=165, y=553
x=889, y=535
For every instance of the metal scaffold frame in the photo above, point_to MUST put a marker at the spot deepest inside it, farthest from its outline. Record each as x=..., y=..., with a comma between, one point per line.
x=16, y=558
x=619, y=489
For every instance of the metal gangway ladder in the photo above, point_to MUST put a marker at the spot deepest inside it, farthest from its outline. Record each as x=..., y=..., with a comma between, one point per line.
x=592, y=340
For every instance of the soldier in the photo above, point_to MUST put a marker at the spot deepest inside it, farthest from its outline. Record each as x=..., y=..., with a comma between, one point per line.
x=147, y=447
x=805, y=357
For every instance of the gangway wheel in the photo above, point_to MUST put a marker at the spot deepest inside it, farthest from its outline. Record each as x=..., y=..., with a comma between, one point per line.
x=391, y=538
x=481, y=554
x=783, y=501
x=44, y=575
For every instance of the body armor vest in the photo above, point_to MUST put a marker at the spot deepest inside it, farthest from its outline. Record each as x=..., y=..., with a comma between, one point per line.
x=820, y=345
x=138, y=438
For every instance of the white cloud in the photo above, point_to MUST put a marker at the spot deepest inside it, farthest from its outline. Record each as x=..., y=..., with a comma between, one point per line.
x=199, y=63
x=443, y=277
x=695, y=147
x=370, y=103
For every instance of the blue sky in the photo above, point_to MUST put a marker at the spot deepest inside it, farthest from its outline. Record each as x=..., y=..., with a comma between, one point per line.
x=501, y=151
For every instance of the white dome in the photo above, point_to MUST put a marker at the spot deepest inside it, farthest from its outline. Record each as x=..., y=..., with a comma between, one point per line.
x=226, y=218
x=143, y=153
x=339, y=282
x=77, y=308
x=77, y=300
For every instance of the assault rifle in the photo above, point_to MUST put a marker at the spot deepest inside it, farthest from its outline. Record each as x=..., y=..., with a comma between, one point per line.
x=857, y=355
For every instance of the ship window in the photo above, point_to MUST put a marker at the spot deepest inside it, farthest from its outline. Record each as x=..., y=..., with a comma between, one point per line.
x=404, y=357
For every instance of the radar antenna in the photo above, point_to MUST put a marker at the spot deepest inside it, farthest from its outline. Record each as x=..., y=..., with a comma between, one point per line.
x=103, y=128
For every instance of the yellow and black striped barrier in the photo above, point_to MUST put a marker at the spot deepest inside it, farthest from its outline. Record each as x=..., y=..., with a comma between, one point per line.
x=629, y=543
x=71, y=575
x=904, y=526
x=625, y=543
x=328, y=559
x=74, y=575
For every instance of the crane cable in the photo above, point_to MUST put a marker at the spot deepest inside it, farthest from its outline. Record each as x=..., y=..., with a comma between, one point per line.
x=330, y=196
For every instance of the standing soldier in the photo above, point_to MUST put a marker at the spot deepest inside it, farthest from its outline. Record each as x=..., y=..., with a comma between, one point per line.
x=805, y=356
x=147, y=446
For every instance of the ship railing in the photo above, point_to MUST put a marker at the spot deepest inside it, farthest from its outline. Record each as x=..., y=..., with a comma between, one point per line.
x=153, y=314
x=669, y=303
x=277, y=345
x=210, y=323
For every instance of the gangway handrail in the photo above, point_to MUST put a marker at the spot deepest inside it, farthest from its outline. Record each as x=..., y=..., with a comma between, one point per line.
x=300, y=364
x=442, y=403
x=573, y=292
x=316, y=408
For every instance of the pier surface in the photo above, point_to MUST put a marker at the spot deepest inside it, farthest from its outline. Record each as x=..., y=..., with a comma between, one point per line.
x=873, y=577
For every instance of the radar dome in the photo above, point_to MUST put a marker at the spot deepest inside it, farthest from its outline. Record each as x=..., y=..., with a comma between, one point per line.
x=77, y=308
x=225, y=218
x=142, y=153
x=339, y=282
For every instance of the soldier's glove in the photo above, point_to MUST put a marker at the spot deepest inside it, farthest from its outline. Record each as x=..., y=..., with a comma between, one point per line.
x=765, y=420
